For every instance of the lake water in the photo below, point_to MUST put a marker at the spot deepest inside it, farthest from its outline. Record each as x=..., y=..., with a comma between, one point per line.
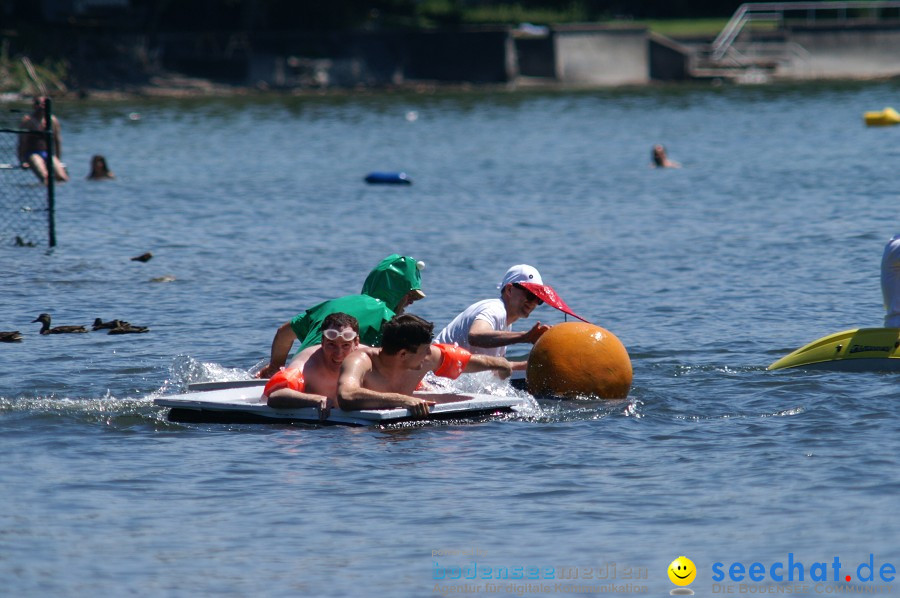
x=770, y=236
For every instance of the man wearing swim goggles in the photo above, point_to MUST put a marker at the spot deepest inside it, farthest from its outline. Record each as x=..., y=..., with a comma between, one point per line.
x=311, y=378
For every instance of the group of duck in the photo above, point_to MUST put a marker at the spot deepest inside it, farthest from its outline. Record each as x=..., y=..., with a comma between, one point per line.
x=114, y=327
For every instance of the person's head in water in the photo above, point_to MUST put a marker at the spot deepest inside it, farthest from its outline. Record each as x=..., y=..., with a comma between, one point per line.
x=661, y=160
x=659, y=155
x=100, y=169
x=410, y=334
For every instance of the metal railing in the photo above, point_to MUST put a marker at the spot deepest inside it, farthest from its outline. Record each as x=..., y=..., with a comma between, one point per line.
x=752, y=55
x=838, y=12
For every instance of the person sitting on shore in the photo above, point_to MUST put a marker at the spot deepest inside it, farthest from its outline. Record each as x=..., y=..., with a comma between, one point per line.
x=99, y=169
x=311, y=379
x=386, y=377
x=661, y=160
x=33, y=151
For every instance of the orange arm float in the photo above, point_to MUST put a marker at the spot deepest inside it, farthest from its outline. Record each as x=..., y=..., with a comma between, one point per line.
x=455, y=359
x=286, y=378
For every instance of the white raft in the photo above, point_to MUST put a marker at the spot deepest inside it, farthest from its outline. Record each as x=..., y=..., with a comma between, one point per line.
x=242, y=405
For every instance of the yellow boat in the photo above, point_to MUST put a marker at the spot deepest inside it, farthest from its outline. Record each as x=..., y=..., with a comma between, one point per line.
x=879, y=118
x=857, y=350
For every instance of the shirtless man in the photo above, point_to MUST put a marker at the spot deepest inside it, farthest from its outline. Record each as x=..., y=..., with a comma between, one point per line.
x=33, y=147
x=386, y=377
x=311, y=379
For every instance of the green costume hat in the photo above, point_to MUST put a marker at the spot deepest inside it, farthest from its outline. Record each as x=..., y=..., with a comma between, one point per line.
x=393, y=278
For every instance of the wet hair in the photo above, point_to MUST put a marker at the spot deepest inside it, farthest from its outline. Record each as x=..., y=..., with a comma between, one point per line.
x=99, y=166
x=406, y=331
x=658, y=154
x=338, y=320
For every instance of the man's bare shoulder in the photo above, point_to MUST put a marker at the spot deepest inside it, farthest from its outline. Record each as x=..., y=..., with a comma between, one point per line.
x=301, y=358
x=361, y=356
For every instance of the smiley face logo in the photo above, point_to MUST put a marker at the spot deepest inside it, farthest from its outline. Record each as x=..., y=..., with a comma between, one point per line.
x=682, y=571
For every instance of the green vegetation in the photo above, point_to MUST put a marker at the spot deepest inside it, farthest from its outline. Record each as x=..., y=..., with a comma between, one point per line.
x=433, y=13
x=514, y=14
x=18, y=74
x=688, y=27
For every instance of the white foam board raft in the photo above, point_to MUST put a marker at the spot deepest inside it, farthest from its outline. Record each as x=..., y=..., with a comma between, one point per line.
x=242, y=405
x=203, y=386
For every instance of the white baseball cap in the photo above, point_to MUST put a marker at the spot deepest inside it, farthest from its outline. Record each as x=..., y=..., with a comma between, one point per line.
x=530, y=279
x=521, y=273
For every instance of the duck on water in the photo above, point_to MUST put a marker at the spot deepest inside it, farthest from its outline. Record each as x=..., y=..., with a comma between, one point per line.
x=99, y=324
x=13, y=336
x=127, y=328
x=44, y=319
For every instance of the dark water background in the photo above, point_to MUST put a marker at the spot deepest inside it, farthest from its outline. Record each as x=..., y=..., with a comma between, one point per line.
x=769, y=237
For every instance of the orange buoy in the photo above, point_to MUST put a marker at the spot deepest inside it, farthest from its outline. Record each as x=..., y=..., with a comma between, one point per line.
x=576, y=358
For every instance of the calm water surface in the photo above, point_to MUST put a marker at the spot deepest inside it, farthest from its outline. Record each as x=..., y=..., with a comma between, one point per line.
x=769, y=237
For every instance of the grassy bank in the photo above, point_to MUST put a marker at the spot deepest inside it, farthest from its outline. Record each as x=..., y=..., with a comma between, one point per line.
x=435, y=13
x=20, y=75
x=687, y=27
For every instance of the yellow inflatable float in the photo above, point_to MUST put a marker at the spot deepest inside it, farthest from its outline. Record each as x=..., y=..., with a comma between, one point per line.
x=880, y=118
x=856, y=350
x=577, y=358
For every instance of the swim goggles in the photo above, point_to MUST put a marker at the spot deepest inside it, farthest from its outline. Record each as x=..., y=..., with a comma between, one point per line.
x=332, y=334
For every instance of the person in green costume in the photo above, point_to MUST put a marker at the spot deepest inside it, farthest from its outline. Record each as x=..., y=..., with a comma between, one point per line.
x=388, y=290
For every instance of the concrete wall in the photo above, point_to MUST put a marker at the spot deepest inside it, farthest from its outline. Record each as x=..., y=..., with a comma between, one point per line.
x=573, y=54
x=345, y=59
x=536, y=56
x=470, y=56
x=668, y=59
x=591, y=55
x=842, y=53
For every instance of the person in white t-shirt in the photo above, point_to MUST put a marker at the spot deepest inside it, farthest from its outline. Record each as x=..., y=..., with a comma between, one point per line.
x=890, y=282
x=485, y=327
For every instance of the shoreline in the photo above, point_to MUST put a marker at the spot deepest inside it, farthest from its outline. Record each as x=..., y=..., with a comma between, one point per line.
x=560, y=58
x=180, y=86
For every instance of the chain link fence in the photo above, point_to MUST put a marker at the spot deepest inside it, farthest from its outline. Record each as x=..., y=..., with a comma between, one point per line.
x=26, y=204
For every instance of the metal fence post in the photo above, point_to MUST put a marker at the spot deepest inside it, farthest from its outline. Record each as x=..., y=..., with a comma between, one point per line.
x=51, y=173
